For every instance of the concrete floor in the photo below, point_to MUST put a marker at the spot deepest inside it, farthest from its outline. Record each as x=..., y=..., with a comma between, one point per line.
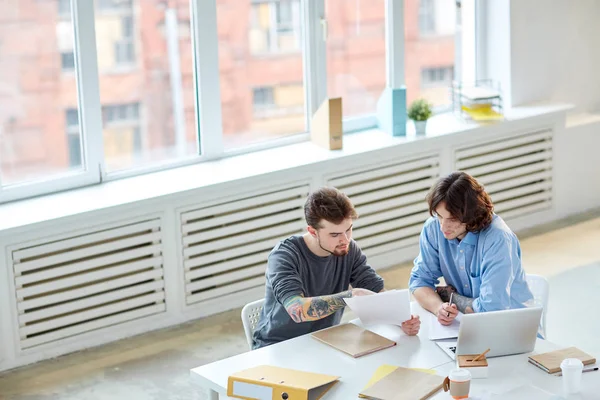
x=156, y=365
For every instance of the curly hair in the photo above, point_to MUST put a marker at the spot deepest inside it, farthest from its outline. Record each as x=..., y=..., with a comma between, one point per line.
x=465, y=198
x=328, y=204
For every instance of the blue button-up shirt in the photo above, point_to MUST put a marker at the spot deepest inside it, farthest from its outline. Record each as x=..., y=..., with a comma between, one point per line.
x=484, y=265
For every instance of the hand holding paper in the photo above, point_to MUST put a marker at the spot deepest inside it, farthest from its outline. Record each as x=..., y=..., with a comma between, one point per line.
x=391, y=307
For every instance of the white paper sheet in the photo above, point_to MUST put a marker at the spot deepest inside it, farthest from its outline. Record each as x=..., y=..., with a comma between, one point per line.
x=438, y=331
x=391, y=307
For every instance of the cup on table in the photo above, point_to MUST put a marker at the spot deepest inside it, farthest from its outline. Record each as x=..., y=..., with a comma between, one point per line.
x=572, y=368
x=458, y=382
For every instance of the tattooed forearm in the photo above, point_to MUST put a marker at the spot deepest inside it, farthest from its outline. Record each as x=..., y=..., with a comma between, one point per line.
x=464, y=304
x=303, y=309
x=444, y=292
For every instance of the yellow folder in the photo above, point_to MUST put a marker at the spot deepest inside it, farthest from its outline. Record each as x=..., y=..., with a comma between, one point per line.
x=274, y=383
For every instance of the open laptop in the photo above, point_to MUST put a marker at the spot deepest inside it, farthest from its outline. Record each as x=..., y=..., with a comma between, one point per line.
x=503, y=332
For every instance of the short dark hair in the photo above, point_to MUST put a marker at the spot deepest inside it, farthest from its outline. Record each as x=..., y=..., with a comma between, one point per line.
x=465, y=199
x=329, y=204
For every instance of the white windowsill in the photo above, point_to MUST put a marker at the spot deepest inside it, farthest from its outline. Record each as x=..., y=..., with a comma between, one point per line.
x=179, y=180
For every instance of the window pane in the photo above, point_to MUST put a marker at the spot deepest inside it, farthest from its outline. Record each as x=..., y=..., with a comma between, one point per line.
x=148, y=117
x=39, y=133
x=356, y=54
x=260, y=64
x=429, y=56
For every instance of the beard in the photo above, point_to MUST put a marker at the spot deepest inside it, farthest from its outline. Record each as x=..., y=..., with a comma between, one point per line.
x=337, y=251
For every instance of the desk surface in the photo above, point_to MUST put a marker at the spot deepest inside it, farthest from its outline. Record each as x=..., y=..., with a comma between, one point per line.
x=306, y=353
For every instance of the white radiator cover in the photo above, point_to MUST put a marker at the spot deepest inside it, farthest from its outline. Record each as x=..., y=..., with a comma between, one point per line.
x=92, y=281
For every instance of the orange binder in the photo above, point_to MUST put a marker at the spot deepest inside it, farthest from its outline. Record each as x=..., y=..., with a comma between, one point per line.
x=274, y=383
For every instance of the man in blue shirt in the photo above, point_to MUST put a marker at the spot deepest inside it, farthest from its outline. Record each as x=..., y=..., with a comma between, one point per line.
x=472, y=248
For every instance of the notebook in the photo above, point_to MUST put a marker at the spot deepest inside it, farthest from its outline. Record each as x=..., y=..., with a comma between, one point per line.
x=353, y=340
x=404, y=384
x=550, y=362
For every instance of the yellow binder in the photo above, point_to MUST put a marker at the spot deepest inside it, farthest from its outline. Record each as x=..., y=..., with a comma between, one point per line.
x=273, y=383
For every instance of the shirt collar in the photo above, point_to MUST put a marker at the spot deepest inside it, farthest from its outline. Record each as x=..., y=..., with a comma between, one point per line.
x=471, y=238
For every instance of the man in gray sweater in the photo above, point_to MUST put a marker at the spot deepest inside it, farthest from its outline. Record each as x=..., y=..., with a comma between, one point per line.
x=308, y=275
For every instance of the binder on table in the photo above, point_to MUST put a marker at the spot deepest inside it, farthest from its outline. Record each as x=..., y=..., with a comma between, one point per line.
x=550, y=361
x=353, y=340
x=404, y=384
x=274, y=383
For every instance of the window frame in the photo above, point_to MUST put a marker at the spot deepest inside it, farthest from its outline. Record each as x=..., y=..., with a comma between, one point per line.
x=208, y=112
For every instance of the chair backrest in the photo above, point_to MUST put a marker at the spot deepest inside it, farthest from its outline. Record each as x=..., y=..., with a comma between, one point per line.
x=540, y=289
x=250, y=317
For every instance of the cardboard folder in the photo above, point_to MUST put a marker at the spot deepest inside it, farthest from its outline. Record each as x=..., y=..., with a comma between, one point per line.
x=274, y=383
x=404, y=384
x=353, y=340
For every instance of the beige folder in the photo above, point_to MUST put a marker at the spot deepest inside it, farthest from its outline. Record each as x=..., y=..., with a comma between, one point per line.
x=404, y=384
x=353, y=340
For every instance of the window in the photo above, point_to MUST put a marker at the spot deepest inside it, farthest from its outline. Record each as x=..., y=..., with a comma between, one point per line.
x=426, y=16
x=436, y=76
x=275, y=27
x=67, y=61
x=147, y=108
x=257, y=71
x=33, y=147
x=356, y=54
x=437, y=19
x=262, y=98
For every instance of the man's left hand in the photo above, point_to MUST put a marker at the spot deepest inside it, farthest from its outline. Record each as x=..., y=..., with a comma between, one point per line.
x=412, y=326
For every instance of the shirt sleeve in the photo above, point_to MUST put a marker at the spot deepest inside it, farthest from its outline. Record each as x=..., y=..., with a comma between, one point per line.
x=426, y=270
x=363, y=275
x=282, y=273
x=500, y=261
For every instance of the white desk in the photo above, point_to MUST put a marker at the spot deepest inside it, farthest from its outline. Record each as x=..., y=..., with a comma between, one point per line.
x=306, y=353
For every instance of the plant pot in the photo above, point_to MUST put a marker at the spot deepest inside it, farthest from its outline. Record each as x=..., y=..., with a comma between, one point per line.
x=420, y=127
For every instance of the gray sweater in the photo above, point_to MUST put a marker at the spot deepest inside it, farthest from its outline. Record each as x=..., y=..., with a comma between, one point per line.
x=293, y=269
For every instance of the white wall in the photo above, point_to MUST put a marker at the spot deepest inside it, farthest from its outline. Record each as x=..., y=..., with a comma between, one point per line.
x=543, y=50
x=550, y=51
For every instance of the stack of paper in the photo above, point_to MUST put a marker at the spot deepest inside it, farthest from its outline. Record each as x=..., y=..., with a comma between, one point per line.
x=391, y=307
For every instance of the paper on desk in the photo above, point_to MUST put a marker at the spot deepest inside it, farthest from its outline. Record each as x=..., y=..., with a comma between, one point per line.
x=438, y=331
x=391, y=307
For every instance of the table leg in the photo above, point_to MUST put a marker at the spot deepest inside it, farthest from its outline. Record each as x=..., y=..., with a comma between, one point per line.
x=212, y=395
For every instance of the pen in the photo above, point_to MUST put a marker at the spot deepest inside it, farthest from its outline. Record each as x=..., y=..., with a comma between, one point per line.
x=450, y=302
x=481, y=355
x=585, y=370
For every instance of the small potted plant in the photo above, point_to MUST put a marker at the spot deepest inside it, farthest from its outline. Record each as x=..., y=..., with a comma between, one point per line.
x=419, y=111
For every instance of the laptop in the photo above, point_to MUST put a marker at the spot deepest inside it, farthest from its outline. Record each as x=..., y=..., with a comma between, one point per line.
x=504, y=332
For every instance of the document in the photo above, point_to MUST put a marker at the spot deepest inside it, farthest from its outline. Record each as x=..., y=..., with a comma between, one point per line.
x=438, y=331
x=391, y=307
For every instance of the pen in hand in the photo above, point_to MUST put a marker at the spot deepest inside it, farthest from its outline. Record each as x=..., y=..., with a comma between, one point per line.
x=450, y=302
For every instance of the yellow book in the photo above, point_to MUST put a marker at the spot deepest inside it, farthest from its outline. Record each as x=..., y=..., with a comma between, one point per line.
x=483, y=113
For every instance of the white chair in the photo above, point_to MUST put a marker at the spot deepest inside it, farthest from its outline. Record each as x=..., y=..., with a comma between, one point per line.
x=250, y=316
x=540, y=289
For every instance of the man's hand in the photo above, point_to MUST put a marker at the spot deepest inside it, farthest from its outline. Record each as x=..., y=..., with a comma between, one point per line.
x=446, y=313
x=444, y=292
x=412, y=326
x=361, y=292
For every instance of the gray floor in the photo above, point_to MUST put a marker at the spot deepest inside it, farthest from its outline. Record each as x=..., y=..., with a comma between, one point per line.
x=156, y=366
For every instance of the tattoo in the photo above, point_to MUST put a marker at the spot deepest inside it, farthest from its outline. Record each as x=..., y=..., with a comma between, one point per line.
x=303, y=309
x=294, y=308
x=464, y=304
x=444, y=292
